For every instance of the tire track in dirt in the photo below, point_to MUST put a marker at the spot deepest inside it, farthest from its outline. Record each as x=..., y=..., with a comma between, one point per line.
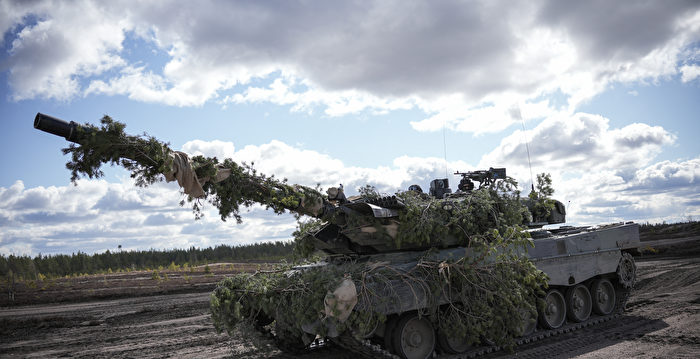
x=663, y=320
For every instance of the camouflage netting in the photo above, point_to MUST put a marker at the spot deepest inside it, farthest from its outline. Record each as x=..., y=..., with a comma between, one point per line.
x=480, y=294
x=148, y=159
x=495, y=207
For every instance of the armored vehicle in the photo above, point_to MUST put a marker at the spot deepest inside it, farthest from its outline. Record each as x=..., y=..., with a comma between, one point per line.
x=412, y=274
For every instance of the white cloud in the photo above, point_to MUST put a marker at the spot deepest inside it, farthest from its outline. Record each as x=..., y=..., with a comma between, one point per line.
x=336, y=103
x=97, y=215
x=579, y=144
x=664, y=191
x=689, y=72
x=667, y=174
x=464, y=64
x=48, y=58
x=137, y=84
x=309, y=167
x=216, y=148
x=604, y=174
x=452, y=113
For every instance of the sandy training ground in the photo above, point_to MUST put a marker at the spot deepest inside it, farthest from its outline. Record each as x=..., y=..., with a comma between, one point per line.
x=662, y=318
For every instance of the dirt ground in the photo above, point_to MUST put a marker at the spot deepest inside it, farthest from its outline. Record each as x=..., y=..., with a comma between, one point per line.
x=662, y=319
x=123, y=284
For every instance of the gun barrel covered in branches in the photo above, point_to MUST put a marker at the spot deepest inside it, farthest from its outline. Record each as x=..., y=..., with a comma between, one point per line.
x=146, y=157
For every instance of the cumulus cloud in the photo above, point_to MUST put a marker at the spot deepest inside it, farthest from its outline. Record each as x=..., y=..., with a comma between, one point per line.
x=664, y=191
x=162, y=219
x=97, y=215
x=689, y=72
x=579, y=144
x=604, y=174
x=216, y=148
x=462, y=64
x=46, y=217
x=666, y=174
x=292, y=91
x=451, y=113
x=609, y=30
x=49, y=55
x=119, y=199
x=309, y=167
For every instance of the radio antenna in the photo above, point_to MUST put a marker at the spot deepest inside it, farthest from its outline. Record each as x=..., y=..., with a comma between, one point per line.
x=444, y=145
x=527, y=147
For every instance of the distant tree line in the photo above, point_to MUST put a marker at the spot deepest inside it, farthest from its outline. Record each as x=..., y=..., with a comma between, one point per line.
x=59, y=265
x=26, y=267
x=689, y=228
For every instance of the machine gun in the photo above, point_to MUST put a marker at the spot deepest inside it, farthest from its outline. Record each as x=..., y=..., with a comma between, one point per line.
x=484, y=177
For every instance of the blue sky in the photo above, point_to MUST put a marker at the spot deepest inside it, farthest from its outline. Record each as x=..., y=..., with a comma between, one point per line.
x=387, y=94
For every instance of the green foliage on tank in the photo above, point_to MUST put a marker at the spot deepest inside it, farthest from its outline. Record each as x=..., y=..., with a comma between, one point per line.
x=427, y=219
x=480, y=291
x=147, y=159
x=480, y=294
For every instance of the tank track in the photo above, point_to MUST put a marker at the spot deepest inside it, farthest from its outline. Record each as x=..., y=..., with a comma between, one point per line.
x=366, y=348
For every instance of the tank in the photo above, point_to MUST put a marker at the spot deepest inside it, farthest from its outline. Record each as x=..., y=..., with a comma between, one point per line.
x=411, y=274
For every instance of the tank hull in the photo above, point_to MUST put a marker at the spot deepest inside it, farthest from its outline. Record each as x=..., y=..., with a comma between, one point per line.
x=570, y=259
x=576, y=262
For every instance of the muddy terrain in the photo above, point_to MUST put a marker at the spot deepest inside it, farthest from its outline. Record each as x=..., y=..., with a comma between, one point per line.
x=118, y=285
x=662, y=318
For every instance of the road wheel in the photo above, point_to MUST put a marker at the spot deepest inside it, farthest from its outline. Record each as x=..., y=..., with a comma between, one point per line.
x=287, y=341
x=451, y=345
x=262, y=320
x=389, y=332
x=578, y=303
x=603, y=294
x=529, y=322
x=414, y=337
x=554, y=313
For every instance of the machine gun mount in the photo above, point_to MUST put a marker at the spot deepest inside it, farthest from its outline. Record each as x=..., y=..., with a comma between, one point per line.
x=484, y=177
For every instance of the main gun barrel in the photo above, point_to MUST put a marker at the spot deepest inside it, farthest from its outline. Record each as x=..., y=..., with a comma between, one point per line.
x=56, y=126
x=148, y=155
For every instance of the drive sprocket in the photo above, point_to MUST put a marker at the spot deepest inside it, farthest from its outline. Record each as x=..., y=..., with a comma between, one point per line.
x=626, y=271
